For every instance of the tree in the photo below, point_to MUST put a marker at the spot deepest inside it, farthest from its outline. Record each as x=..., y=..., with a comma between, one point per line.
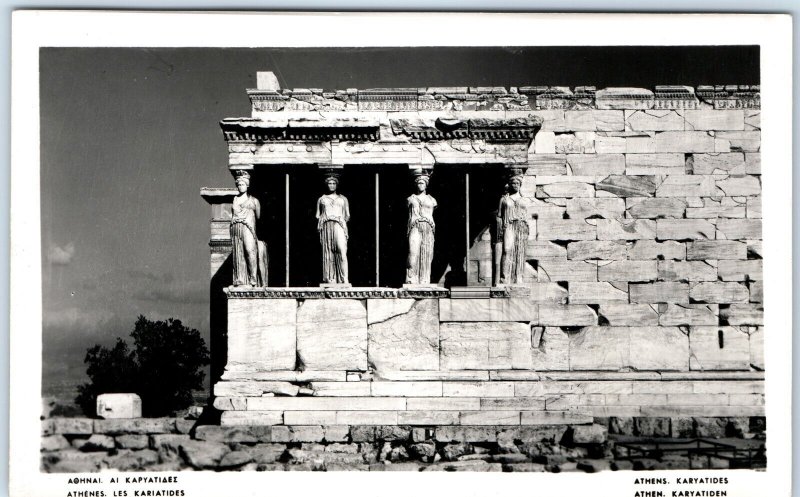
x=164, y=367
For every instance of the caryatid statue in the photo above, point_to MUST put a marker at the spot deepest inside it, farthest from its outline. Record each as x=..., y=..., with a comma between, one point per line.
x=513, y=231
x=333, y=213
x=421, y=229
x=249, y=253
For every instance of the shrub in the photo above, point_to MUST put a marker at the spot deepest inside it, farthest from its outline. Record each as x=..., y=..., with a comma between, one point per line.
x=164, y=367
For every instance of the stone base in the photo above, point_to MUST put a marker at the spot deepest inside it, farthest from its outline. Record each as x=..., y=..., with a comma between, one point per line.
x=335, y=285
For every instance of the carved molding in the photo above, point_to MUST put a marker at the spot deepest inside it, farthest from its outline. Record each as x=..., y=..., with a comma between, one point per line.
x=250, y=130
x=483, y=98
x=333, y=293
x=446, y=128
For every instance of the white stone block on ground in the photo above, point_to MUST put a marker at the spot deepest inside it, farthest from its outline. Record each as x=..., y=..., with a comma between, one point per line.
x=485, y=346
x=119, y=405
x=601, y=348
x=659, y=348
x=262, y=334
x=407, y=341
x=332, y=334
x=718, y=348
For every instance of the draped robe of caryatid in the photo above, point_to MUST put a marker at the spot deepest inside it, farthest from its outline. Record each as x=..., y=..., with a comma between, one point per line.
x=421, y=229
x=249, y=254
x=333, y=213
x=513, y=234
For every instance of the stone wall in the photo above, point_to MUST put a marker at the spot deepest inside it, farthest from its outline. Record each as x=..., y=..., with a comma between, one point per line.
x=77, y=445
x=644, y=286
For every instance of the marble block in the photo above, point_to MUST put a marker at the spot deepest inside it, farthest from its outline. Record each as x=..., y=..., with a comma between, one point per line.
x=404, y=340
x=332, y=335
x=119, y=405
x=262, y=334
x=485, y=346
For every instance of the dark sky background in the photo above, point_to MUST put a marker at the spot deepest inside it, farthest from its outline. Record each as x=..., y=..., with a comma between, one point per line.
x=129, y=136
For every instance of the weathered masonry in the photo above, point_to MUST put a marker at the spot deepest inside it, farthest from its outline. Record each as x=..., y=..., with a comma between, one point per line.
x=642, y=292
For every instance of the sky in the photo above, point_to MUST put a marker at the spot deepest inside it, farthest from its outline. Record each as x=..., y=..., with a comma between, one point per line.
x=129, y=136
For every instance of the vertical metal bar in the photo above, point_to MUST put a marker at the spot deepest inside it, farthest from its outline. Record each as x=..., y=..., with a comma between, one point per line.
x=377, y=230
x=287, y=228
x=466, y=231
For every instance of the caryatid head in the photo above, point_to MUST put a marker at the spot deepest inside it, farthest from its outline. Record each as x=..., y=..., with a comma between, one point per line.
x=421, y=180
x=515, y=181
x=242, y=181
x=332, y=181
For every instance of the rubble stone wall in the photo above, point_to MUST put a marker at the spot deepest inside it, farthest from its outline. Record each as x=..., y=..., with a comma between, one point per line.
x=77, y=445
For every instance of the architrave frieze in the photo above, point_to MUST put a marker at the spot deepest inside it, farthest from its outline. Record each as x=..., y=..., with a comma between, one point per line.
x=234, y=292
